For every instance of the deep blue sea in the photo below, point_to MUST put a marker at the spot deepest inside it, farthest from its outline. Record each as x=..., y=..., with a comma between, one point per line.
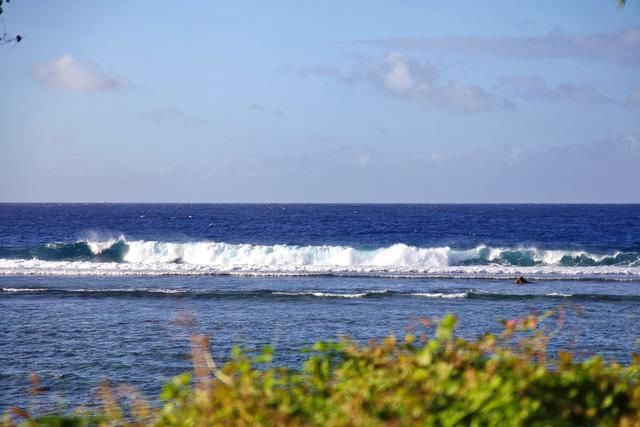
x=96, y=291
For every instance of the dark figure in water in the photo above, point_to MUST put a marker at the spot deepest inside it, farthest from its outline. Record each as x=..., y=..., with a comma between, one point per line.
x=521, y=281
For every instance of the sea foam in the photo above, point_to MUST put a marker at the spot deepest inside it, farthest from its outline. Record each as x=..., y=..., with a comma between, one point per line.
x=122, y=257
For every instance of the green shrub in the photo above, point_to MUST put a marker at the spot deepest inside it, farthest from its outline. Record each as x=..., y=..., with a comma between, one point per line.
x=444, y=380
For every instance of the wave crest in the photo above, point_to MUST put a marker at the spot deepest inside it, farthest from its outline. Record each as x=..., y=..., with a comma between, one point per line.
x=157, y=257
x=397, y=255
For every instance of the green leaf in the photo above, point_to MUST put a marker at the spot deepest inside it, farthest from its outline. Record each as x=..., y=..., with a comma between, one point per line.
x=446, y=327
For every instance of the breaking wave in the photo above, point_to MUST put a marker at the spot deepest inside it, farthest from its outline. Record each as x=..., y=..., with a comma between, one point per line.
x=321, y=294
x=121, y=257
x=440, y=295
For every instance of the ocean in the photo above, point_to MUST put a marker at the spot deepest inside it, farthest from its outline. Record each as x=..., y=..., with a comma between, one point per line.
x=90, y=292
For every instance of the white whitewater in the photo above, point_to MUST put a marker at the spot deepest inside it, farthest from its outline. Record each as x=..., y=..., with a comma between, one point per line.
x=398, y=260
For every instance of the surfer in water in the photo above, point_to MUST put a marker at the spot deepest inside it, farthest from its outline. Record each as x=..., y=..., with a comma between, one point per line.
x=521, y=281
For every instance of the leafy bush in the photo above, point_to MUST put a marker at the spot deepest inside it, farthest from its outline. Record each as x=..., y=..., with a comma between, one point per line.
x=439, y=380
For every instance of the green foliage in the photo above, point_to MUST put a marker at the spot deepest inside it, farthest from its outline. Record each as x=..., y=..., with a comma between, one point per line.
x=506, y=379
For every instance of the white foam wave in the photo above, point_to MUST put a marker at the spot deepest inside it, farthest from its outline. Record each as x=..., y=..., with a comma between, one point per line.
x=322, y=294
x=89, y=268
x=558, y=294
x=150, y=258
x=336, y=295
x=440, y=295
x=99, y=246
x=226, y=255
x=553, y=257
x=242, y=255
x=397, y=255
x=22, y=289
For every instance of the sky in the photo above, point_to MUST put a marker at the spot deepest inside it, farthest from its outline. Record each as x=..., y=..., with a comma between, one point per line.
x=321, y=101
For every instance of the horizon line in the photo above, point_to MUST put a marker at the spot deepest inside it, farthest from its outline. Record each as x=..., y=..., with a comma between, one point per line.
x=306, y=203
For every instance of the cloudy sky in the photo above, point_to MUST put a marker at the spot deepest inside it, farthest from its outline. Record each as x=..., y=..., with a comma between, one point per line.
x=321, y=101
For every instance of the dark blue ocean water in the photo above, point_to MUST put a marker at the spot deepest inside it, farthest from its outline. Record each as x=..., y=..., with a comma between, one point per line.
x=89, y=292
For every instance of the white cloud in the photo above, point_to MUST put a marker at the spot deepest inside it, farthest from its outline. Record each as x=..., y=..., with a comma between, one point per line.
x=70, y=73
x=456, y=95
x=620, y=47
x=406, y=77
x=397, y=78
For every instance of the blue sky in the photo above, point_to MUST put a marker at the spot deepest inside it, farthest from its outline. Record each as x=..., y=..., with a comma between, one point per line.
x=376, y=101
